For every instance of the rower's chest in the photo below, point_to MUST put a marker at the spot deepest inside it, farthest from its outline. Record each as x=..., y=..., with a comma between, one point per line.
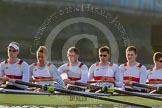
x=73, y=70
x=155, y=74
x=13, y=69
x=41, y=72
x=131, y=70
x=104, y=71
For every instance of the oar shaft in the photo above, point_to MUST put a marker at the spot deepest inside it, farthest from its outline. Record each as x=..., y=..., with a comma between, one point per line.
x=98, y=81
x=28, y=84
x=139, y=95
x=143, y=85
x=156, y=82
x=42, y=80
x=101, y=98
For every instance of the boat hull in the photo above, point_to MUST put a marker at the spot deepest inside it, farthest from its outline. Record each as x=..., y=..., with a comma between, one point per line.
x=46, y=99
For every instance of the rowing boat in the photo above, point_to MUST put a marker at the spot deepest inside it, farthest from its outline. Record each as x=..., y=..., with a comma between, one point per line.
x=19, y=97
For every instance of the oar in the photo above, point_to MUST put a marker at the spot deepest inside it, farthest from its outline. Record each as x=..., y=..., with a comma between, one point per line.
x=143, y=85
x=108, y=89
x=136, y=94
x=98, y=81
x=158, y=89
x=155, y=82
x=42, y=80
x=52, y=89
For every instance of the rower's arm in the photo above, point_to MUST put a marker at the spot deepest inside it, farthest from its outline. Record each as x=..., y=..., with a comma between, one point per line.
x=62, y=69
x=1, y=73
x=31, y=67
x=91, y=72
x=25, y=71
x=84, y=74
x=143, y=75
x=118, y=77
x=56, y=76
x=25, y=74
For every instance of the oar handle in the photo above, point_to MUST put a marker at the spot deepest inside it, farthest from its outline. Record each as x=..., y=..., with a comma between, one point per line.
x=42, y=80
x=98, y=81
x=143, y=85
x=156, y=82
x=28, y=84
x=80, y=84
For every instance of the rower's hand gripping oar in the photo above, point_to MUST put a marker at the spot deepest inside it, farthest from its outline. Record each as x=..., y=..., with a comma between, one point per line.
x=52, y=89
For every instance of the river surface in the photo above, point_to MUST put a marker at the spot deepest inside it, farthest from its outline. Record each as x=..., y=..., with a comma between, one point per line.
x=99, y=106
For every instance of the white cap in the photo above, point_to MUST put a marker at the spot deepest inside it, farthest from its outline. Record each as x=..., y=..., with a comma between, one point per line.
x=14, y=45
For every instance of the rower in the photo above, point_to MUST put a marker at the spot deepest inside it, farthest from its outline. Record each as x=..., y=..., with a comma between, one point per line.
x=14, y=68
x=43, y=72
x=133, y=71
x=154, y=77
x=105, y=72
x=75, y=70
